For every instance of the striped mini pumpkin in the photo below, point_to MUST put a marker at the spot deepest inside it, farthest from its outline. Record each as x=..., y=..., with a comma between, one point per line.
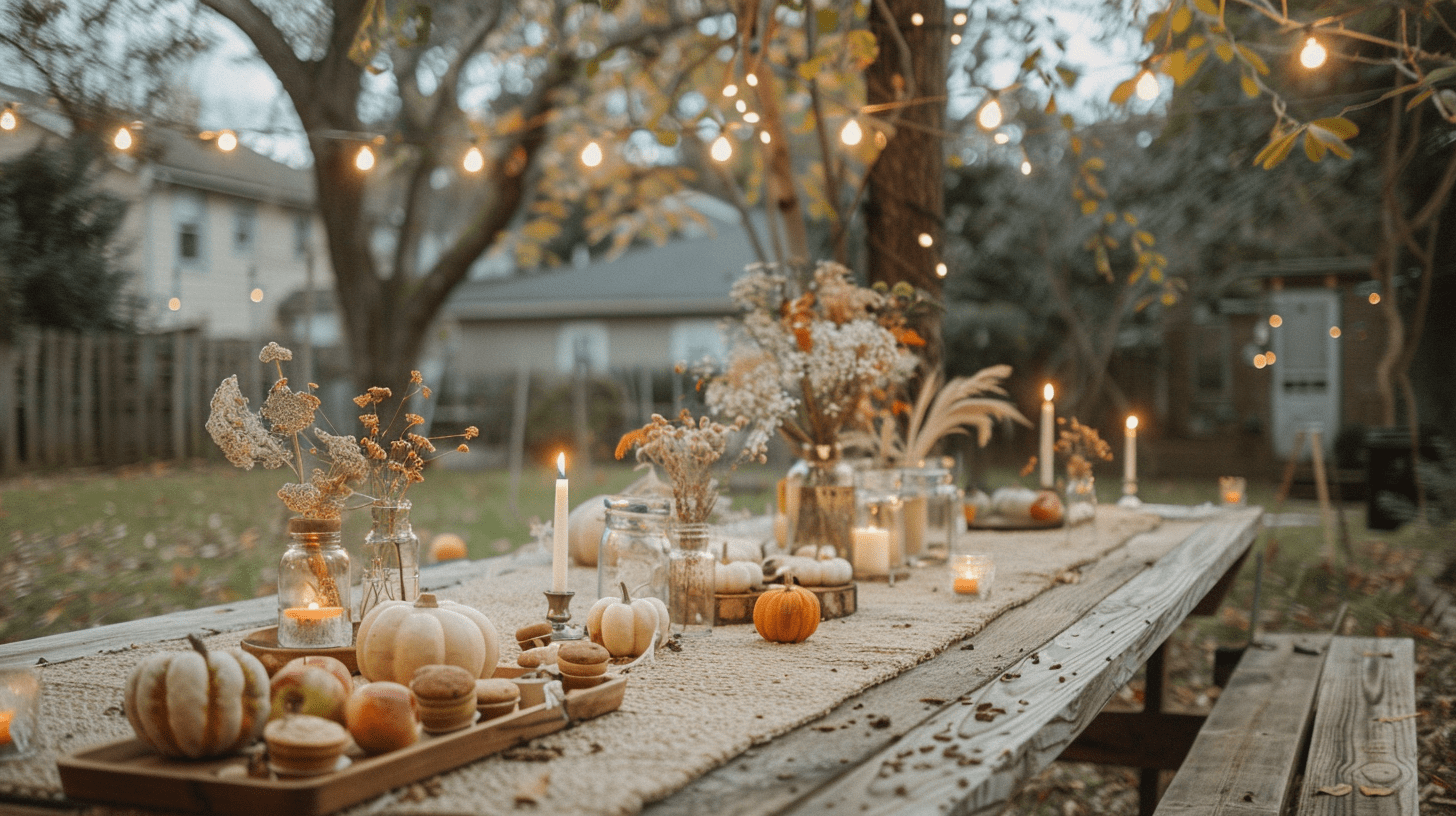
x=198, y=704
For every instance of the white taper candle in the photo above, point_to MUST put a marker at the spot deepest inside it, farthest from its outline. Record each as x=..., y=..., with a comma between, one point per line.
x=559, y=552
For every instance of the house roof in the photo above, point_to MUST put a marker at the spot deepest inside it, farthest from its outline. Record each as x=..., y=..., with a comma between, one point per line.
x=685, y=276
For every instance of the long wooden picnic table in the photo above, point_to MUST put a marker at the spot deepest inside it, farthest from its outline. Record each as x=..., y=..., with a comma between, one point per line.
x=956, y=733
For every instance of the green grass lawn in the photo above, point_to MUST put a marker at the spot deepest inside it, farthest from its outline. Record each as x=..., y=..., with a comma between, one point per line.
x=83, y=549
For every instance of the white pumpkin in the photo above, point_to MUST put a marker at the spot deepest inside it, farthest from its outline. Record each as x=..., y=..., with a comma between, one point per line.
x=626, y=625
x=198, y=704
x=742, y=549
x=822, y=551
x=835, y=572
x=584, y=528
x=814, y=571
x=397, y=637
x=737, y=578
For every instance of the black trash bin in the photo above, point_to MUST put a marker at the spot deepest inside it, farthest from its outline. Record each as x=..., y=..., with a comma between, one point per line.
x=1391, y=473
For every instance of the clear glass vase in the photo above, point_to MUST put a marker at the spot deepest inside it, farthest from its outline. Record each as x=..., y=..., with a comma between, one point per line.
x=691, y=603
x=313, y=587
x=1081, y=500
x=878, y=542
x=933, y=514
x=634, y=547
x=819, y=502
x=391, y=557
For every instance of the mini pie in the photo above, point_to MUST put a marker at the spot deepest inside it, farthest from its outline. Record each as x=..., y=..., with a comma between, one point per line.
x=304, y=745
x=496, y=698
x=446, y=695
x=530, y=637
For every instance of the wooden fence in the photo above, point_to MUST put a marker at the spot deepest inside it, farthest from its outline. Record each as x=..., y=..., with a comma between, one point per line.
x=70, y=400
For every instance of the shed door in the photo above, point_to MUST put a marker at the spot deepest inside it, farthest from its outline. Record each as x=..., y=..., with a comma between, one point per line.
x=1306, y=368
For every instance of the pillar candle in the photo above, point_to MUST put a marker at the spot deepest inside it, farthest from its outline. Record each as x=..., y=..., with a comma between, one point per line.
x=1048, y=425
x=558, y=530
x=1129, y=451
x=871, y=551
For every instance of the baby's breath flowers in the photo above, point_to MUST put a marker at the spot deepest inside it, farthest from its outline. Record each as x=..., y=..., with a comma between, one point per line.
x=687, y=452
x=1081, y=444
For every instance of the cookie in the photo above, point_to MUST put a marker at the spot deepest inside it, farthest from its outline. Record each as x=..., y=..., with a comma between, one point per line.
x=496, y=698
x=533, y=636
x=304, y=745
x=446, y=695
x=583, y=659
x=573, y=683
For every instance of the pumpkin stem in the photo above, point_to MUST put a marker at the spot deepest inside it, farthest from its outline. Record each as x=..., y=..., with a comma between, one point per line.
x=426, y=600
x=626, y=599
x=197, y=644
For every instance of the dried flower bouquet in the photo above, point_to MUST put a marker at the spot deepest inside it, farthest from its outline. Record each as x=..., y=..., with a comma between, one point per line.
x=1080, y=444
x=687, y=452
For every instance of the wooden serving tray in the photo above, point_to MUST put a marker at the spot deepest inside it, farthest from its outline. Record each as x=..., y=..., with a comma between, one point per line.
x=263, y=644
x=834, y=602
x=993, y=521
x=130, y=773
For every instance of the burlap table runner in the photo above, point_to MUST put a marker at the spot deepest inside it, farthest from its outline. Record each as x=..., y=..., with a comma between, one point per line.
x=684, y=714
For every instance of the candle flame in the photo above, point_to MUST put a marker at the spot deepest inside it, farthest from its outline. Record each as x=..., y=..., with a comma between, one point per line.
x=1048, y=392
x=561, y=464
x=313, y=605
x=1132, y=423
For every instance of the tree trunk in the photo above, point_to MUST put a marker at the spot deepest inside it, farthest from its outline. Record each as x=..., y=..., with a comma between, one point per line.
x=906, y=192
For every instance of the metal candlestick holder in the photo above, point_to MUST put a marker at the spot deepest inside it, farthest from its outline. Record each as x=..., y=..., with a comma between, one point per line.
x=1129, y=494
x=558, y=612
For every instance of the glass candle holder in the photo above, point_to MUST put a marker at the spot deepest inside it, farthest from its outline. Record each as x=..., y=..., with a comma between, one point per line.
x=634, y=547
x=19, y=710
x=933, y=516
x=972, y=574
x=1233, y=490
x=313, y=587
x=877, y=546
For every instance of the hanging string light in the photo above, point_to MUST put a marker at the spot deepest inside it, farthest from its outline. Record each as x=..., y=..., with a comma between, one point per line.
x=1275, y=321
x=1000, y=138
x=123, y=139
x=1260, y=361
x=174, y=304
x=925, y=240
x=955, y=39
x=731, y=90
x=959, y=18
x=1147, y=87
x=990, y=115
x=751, y=118
x=1025, y=167
x=1269, y=357
x=764, y=137
x=740, y=106
x=364, y=159
x=851, y=134
x=1313, y=54
x=721, y=150
x=474, y=161
x=1374, y=298
x=752, y=80
x=8, y=119
x=917, y=19
x=941, y=270
x=1335, y=332
x=227, y=141
x=256, y=295
x=592, y=155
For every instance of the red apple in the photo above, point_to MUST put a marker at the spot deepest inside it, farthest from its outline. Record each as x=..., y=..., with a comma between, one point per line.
x=383, y=716
x=300, y=688
x=333, y=664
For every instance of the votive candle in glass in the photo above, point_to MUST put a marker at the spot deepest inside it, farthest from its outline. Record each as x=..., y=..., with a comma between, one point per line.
x=972, y=574
x=1232, y=490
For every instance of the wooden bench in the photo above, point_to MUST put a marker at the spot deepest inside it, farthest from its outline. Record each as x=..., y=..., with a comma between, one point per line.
x=1339, y=711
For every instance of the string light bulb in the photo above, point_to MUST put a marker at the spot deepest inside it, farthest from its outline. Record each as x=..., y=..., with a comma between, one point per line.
x=752, y=80
x=730, y=90
x=959, y=18
x=955, y=39
x=1335, y=332
x=591, y=155
x=1025, y=167
x=1374, y=298
x=1147, y=87
x=751, y=118
x=227, y=141
x=925, y=240
x=8, y=119
x=1000, y=138
x=1269, y=357
x=174, y=304
x=740, y=106
x=1275, y=321
x=917, y=19
x=990, y=115
x=474, y=160
x=764, y=137
x=1260, y=361
x=122, y=140
x=721, y=150
x=851, y=134
x=256, y=295
x=1313, y=54
x=364, y=159
x=941, y=270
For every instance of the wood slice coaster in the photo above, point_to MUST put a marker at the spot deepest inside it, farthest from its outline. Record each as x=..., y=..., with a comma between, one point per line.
x=834, y=602
x=263, y=644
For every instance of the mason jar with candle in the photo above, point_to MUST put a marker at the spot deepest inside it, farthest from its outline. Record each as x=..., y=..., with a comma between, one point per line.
x=313, y=587
x=877, y=542
x=634, y=547
x=933, y=515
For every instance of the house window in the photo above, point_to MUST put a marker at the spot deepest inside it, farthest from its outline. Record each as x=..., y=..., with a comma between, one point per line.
x=245, y=227
x=692, y=340
x=188, y=211
x=302, y=234
x=582, y=344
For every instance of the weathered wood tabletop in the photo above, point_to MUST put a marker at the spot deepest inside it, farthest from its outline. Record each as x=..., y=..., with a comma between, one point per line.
x=957, y=733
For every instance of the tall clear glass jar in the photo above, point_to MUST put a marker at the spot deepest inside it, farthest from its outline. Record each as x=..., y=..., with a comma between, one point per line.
x=691, y=603
x=634, y=547
x=819, y=501
x=391, y=556
x=877, y=546
x=313, y=587
x=933, y=515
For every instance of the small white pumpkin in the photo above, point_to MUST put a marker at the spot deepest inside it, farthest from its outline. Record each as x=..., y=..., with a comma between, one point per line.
x=815, y=572
x=821, y=552
x=626, y=626
x=397, y=637
x=198, y=704
x=743, y=549
x=584, y=528
x=835, y=572
x=735, y=577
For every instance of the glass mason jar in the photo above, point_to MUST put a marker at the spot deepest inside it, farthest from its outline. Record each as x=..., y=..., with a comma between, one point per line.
x=690, y=600
x=933, y=515
x=634, y=548
x=819, y=501
x=313, y=587
x=391, y=557
x=877, y=546
x=1081, y=500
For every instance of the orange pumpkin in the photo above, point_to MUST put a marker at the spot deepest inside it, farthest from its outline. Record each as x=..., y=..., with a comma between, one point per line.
x=786, y=614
